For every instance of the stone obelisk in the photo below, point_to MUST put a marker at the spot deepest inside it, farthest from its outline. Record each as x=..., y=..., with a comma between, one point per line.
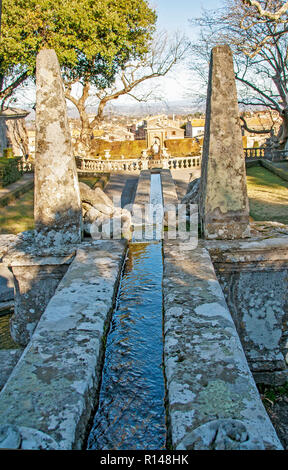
x=57, y=209
x=224, y=206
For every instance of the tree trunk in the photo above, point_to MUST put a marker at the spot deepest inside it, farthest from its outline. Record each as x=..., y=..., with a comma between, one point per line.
x=86, y=130
x=283, y=131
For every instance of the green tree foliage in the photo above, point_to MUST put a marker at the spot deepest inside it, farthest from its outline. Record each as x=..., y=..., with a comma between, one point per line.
x=92, y=38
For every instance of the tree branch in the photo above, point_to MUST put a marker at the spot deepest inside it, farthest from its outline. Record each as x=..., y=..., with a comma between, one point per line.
x=265, y=13
x=254, y=131
x=9, y=90
x=260, y=92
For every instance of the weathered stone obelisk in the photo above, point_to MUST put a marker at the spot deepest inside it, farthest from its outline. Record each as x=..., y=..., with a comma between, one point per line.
x=57, y=210
x=224, y=207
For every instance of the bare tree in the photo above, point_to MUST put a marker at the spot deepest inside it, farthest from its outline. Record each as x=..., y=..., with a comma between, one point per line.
x=163, y=54
x=260, y=55
x=263, y=11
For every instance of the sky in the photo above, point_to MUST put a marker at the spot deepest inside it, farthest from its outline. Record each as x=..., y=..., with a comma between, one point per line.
x=174, y=16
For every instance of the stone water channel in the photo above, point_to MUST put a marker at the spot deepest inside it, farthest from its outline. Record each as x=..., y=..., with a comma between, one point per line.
x=211, y=398
x=131, y=410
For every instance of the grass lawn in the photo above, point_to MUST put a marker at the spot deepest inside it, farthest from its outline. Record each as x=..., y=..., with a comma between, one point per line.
x=89, y=180
x=268, y=195
x=18, y=215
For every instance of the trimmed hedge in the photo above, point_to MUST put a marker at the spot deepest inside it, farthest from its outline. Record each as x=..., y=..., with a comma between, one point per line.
x=99, y=180
x=183, y=147
x=13, y=195
x=9, y=172
x=133, y=148
x=130, y=149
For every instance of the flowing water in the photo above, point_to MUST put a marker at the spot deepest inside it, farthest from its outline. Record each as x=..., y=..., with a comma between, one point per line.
x=131, y=411
x=156, y=205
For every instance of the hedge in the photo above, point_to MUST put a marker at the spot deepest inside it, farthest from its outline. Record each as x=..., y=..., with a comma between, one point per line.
x=9, y=171
x=133, y=148
x=183, y=147
x=129, y=149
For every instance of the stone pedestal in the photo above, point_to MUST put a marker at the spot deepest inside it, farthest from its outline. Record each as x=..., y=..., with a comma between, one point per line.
x=57, y=209
x=254, y=277
x=36, y=277
x=224, y=208
x=144, y=164
x=35, y=284
x=165, y=163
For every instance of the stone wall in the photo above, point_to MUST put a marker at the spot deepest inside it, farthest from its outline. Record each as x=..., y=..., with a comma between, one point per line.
x=48, y=399
x=254, y=278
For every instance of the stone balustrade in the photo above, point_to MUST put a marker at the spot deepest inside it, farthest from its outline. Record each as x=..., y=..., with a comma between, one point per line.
x=175, y=163
x=267, y=153
x=91, y=165
x=254, y=153
x=133, y=165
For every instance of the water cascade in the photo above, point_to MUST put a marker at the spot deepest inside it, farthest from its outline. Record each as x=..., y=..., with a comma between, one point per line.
x=131, y=412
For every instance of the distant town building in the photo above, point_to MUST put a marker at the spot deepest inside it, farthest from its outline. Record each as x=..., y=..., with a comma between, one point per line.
x=157, y=129
x=258, y=121
x=194, y=128
x=139, y=130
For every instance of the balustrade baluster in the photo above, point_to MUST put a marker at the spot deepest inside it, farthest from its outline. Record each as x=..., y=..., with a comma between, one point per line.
x=92, y=165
